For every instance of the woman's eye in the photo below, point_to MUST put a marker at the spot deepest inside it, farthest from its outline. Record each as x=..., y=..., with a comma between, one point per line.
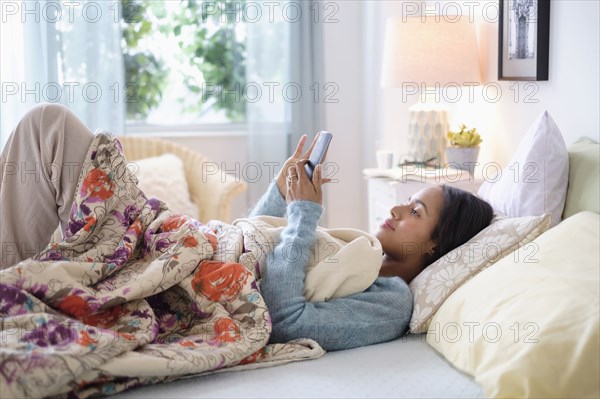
x=414, y=212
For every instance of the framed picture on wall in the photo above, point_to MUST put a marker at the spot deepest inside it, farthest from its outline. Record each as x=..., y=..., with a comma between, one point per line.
x=523, y=39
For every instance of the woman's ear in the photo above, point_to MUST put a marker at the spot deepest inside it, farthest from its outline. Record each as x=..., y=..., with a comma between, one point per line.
x=431, y=245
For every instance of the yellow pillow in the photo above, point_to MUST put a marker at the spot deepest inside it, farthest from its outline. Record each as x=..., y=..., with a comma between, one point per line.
x=529, y=325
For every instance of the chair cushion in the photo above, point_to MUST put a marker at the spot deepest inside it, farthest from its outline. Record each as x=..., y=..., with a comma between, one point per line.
x=163, y=177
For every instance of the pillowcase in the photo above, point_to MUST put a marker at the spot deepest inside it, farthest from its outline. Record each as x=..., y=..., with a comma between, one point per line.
x=163, y=177
x=535, y=182
x=529, y=328
x=583, y=193
x=440, y=279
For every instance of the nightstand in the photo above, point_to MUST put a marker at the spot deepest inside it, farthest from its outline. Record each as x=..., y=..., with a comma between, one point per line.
x=385, y=192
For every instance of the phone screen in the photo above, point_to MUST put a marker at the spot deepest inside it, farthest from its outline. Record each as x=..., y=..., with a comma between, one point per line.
x=318, y=152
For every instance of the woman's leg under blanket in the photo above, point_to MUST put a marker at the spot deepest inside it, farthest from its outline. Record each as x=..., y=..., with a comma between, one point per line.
x=39, y=171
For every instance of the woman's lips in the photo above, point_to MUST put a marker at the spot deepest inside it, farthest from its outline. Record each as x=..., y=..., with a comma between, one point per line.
x=388, y=224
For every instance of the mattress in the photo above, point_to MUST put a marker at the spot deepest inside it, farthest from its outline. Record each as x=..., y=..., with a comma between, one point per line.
x=404, y=368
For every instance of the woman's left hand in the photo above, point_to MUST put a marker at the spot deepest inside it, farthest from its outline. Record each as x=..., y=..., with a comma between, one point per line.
x=300, y=188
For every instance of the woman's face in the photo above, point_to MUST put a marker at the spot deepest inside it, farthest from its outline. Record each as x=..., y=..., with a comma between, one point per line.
x=407, y=232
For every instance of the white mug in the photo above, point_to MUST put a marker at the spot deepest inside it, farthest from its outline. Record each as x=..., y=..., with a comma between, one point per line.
x=385, y=159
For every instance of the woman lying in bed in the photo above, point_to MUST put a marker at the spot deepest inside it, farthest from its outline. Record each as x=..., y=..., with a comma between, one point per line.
x=433, y=222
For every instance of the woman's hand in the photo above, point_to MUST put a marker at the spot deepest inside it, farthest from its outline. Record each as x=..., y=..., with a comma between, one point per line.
x=290, y=163
x=300, y=188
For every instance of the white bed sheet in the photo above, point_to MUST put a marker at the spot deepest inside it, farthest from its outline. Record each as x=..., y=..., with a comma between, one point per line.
x=405, y=368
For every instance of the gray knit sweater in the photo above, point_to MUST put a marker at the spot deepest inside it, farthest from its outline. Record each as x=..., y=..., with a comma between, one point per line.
x=379, y=314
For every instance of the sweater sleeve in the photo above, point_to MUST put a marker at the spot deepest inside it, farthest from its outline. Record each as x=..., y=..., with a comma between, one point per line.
x=270, y=204
x=379, y=314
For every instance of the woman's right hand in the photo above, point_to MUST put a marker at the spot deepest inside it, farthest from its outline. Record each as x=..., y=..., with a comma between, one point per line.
x=301, y=188
x=291, y=163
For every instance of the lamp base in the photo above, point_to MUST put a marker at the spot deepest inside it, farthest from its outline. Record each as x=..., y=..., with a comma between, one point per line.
x=427, y=130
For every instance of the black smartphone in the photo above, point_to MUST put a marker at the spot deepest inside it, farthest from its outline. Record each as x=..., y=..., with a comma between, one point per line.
x=318, y=152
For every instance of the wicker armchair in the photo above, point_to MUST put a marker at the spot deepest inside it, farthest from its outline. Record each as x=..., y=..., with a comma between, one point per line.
x=212, y=192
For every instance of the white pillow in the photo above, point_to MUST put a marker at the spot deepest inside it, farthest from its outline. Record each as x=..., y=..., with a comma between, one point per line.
x=163, y=177
x=535, y=182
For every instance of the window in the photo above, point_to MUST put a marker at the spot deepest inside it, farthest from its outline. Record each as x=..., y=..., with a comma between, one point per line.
x=185, y=62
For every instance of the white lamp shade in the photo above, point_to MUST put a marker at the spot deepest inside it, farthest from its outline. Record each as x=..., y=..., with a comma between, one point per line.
x=430, y=51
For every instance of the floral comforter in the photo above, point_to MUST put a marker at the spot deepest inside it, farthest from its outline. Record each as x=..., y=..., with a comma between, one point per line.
x=132, y=296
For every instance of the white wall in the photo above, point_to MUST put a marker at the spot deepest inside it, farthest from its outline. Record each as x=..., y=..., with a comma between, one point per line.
x=346, y=204
x=367, y=113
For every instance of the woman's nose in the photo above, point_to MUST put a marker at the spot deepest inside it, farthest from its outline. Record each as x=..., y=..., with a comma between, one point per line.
x=396, y=211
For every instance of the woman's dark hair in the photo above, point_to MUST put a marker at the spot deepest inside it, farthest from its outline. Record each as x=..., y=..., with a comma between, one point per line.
x=463, y=215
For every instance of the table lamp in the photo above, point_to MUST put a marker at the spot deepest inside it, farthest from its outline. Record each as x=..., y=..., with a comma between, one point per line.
x=429, y=52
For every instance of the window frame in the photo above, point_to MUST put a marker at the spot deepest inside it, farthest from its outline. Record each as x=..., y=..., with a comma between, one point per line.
x=188, y=130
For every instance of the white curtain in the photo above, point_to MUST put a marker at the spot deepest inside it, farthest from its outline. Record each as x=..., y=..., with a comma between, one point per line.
x=307, y=67
x=62, y=52
x=284, y=60
x=267, y=71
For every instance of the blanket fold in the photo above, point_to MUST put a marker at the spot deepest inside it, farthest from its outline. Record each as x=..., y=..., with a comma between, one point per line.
x=341, y=262
x=130, y=296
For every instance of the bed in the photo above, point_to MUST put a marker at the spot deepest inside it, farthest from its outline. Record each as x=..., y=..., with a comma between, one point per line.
x=404, y=368
x=525, y=326
x=522, y=322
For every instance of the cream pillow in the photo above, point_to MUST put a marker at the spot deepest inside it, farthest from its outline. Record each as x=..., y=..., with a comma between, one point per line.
x=503, y=236
x=535, y=182
x=163, y=177
x=529, y=327
x=583, y=193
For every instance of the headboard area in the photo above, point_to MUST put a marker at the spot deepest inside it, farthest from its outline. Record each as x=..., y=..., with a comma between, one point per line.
x=583, y=192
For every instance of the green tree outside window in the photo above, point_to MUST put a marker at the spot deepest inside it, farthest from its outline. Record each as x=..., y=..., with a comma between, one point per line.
x=208, y=36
